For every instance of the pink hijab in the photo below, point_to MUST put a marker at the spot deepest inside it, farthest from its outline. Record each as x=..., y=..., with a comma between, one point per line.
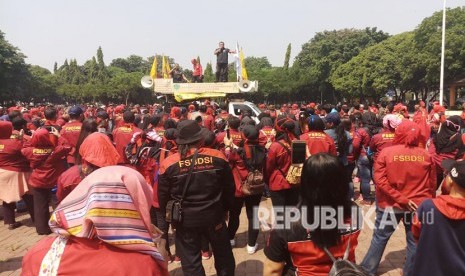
x=112, y=204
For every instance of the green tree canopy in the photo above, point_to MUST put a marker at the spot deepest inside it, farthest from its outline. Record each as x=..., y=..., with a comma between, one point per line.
x=327, y=51
x=13, y=72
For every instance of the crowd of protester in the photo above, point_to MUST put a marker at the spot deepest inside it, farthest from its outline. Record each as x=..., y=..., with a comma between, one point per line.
x=112, y=173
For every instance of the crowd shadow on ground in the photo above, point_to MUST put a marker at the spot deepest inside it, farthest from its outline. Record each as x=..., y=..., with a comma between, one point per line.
x=393, y=260
x=248, y=267
x=11, y=264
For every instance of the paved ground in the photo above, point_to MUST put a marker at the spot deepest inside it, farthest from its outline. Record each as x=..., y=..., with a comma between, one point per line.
x=15, y=243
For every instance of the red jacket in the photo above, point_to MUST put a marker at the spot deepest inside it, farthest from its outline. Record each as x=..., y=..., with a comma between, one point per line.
x=360, y=142
x=11, y=158
x=219, y=141
x=47, y=161
x=236, y=136
x=121, y=138
x=318, y=141
x=278, y=162
x=265, y=134
x=100, y=259
x=70, y=132
x=68, y=181
x=403, y=173
x=239, y=171
x=380, y=141
x=208, y=121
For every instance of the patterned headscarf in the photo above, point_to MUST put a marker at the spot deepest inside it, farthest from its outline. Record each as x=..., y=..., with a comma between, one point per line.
x=391, y=121
x=112, y=204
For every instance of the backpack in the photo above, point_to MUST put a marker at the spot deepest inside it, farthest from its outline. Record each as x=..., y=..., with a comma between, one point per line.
x=140, y=149
x=344, y=267
x=254, y=183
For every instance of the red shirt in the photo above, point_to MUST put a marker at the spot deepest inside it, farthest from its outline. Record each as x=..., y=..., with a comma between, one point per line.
x=68, y=181
x=70, y=132
x=197, y=70
x=318, y=141
x=121, y=137
x=401, y=174
x=91, y=257
x=11, y=158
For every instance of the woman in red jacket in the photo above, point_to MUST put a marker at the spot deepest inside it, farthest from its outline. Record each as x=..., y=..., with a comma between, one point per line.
x=14, y=175
x=47, y=163
x=361, y=142
x=405, y=176
x=250, y=156
x=322, y=189
x=278, y=162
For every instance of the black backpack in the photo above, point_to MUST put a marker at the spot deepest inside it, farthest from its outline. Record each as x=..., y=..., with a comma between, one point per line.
x=344, y=267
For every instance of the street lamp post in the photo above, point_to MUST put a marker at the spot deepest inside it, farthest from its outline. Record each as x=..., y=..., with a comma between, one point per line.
x=441, y=85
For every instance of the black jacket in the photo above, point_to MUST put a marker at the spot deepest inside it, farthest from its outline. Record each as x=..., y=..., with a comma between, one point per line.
x=210, y=193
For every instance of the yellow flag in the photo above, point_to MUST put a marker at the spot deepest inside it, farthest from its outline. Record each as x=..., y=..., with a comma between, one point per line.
x=244, y=72
x=165, y=68
x=153, y=71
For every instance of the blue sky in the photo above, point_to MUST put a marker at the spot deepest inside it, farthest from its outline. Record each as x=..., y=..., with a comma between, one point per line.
x=50, y=30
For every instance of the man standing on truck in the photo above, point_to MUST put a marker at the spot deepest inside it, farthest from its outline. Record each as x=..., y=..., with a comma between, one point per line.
x=222, y=62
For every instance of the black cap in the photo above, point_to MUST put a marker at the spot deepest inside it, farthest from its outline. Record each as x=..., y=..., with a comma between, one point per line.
x=189, y=132
x=333, y=117
x=456, y=170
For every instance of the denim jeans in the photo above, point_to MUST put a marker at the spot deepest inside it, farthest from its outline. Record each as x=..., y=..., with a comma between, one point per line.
x=381, y=235
x=349, y=169
x=364, y=172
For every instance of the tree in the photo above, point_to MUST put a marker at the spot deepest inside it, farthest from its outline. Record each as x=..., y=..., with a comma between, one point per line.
x=287, y=57
x=208, y=75
x=133, y=63
x=122, y=85
x=393, y=64
x=13, y=71
x=55, y=67
x=326, y=51
x=428, y=37
x=42, y=83
x=91, y=70
x=102, y=74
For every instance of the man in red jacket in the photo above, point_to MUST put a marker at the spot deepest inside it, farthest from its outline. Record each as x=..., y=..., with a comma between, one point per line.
x=404, y=176
x=71, y=130
x=48, y=163
x=123, y=134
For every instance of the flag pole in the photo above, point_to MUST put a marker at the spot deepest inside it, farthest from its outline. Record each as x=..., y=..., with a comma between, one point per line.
x=441, y=85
